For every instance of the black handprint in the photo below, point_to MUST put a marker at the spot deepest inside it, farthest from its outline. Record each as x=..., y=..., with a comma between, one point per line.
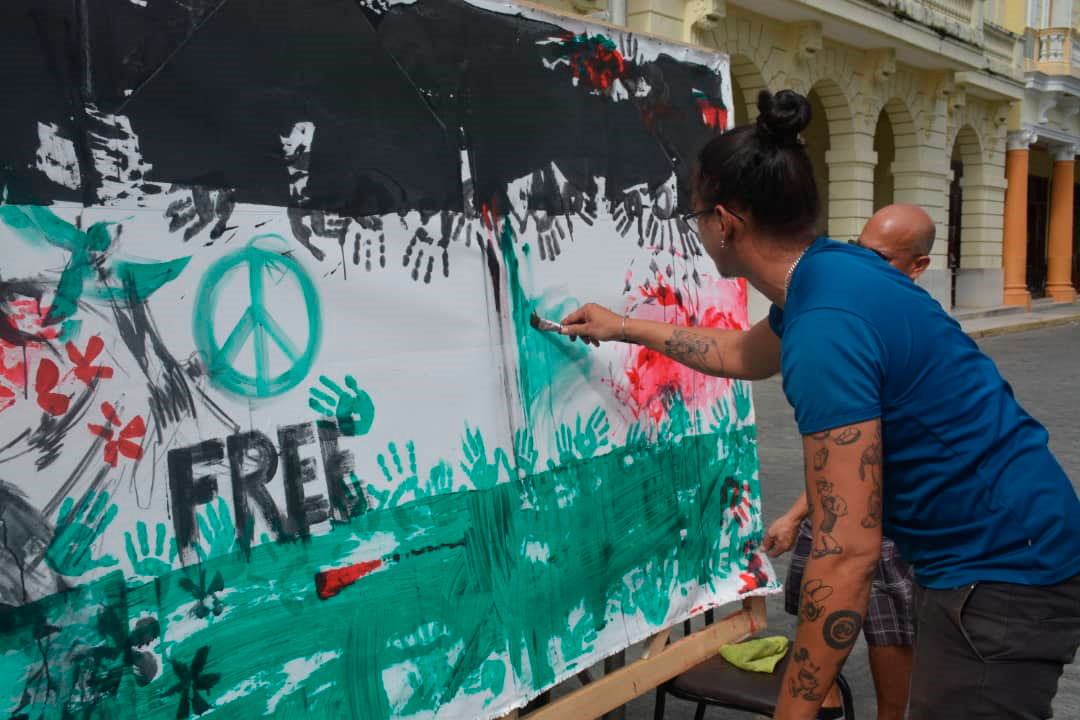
x=550, y=231
x=628, y=211
x=423, y=244
x=199, y=209
x=371, y=228
x=322, y=224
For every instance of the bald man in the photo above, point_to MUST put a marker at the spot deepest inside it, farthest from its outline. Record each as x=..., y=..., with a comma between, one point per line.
x=903, y=236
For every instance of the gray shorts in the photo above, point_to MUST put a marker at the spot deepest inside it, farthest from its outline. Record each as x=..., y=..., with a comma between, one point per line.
x=889, y=616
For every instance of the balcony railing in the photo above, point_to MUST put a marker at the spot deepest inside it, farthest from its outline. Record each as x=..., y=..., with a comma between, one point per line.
x=1056, y=52
x=962, y=11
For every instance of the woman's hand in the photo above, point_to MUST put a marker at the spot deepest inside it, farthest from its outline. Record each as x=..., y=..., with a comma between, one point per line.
x=593, y=323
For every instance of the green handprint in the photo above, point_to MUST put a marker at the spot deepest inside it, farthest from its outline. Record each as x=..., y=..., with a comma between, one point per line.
x=741, y=391
x=440, y=481
x=216, y=528
x=525, y=454
x=76, y=532
x=143, y=562
x=636, y=436
x=721, y=417
x=593, y=436
x=481, y=472
x=564, y=447
x=354, y=412
x=403, y=482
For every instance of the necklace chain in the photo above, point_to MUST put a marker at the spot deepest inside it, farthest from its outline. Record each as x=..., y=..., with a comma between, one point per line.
x=791, y=270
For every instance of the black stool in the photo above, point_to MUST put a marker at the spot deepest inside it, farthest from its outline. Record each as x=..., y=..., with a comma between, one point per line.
x=718, y=683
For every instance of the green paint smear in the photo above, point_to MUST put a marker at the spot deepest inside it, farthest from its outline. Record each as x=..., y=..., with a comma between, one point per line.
x=547, y=363
x=462, y=604
x=37, y=225
x=138, y=281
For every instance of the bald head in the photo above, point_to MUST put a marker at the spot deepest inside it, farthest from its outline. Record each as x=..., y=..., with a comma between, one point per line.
x=903, y=235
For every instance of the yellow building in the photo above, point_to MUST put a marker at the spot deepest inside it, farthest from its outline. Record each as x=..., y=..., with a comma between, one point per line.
x=1041, y=257
x=914, y=101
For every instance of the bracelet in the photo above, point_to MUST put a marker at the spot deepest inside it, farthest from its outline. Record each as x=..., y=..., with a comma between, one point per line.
x=623, y=329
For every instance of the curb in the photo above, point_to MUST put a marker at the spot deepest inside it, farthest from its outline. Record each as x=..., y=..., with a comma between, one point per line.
x=1023, y=327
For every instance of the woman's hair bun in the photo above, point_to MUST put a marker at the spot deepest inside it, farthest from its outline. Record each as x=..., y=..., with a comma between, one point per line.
x=781, y=117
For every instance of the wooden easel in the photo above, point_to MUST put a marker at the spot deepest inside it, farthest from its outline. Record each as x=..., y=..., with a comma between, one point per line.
x=659, y=663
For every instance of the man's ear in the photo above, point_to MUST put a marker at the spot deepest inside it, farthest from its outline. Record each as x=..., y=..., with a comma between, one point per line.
x=921, y=263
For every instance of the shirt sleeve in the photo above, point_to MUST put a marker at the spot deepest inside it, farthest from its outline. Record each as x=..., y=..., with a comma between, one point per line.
x=833, y=363
x=776, y=320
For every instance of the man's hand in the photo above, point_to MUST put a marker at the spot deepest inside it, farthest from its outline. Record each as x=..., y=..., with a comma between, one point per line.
x=781, y=535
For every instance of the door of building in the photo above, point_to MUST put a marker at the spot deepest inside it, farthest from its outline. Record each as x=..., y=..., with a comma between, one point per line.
x=956, y=212
x=1038, y=219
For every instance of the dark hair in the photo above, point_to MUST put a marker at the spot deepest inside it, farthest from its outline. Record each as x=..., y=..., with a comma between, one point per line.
x=762, y=168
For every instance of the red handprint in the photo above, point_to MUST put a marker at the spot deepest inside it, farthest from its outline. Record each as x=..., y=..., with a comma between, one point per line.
x=48, y=375
x=83, y=369
x=122, y=444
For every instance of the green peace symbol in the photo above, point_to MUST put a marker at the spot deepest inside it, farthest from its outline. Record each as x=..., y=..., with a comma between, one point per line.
x=256, y=323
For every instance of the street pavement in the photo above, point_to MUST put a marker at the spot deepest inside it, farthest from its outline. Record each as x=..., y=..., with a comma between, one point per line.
x=1043, y=367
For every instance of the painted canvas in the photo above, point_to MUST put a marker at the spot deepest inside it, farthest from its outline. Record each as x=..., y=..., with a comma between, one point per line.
x=276, y=436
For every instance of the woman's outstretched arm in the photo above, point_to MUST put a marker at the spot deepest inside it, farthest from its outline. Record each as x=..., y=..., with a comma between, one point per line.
x=751, y=354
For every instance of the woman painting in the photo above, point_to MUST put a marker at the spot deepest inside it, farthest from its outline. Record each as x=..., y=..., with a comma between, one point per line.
x=906, y=426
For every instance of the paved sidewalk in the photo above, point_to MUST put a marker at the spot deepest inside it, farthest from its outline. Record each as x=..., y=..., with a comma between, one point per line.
x=1006, y=320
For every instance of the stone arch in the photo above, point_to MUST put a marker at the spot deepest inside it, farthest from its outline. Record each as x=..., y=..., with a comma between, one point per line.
x=838, y=110
x=897, y=170
x=747, y=80
x=966, y=127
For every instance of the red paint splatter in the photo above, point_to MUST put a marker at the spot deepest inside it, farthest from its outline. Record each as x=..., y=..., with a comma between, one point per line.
x=594, y=60
x=329, y=583
x=754, y=577
x=83, y=369
x=653, y=379
x=26, y=317
x=713, y=115
x=122, y=444
x=7, y=397
x=48, y=375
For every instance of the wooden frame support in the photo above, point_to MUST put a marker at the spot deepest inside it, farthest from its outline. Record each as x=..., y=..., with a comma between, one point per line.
x=659, y=663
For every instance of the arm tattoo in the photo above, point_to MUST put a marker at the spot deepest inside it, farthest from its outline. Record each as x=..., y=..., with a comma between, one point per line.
x=821, y=458
x=841, y=628
x=870, y=469
x=832, y=507
x=814, y=593
x=805, y=683
x=847, y=436
x=690, y=348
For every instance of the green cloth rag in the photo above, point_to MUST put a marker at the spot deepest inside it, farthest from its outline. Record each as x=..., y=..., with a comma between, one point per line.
x=758, y=655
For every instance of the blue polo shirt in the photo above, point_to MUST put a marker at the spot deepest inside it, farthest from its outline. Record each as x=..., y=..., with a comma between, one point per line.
x=971, y=491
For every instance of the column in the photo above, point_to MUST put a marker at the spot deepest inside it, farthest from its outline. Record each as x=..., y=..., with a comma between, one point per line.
x=1059, y=255
x=1014, y=237
x=851, y=183
x=921, y=177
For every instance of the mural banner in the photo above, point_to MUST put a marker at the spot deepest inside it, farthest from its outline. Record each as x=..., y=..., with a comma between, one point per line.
x=277, y=437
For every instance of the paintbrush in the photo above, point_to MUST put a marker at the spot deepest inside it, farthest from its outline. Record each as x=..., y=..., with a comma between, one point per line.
x=543, y=324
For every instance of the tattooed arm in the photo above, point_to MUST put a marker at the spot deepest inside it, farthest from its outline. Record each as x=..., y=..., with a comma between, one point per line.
x=743, y=354
x=843, y=485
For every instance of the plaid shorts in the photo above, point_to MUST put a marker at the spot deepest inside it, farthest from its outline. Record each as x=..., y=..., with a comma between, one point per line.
x=889, y=617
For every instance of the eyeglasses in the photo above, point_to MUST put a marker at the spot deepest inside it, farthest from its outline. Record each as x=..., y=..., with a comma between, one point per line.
x=692, y=218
